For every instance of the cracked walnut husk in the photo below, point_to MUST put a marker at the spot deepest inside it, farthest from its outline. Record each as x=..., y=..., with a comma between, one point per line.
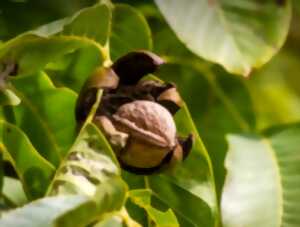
x=136, y=115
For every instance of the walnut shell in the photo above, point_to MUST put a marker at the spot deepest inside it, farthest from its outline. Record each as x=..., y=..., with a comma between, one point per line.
x=151, y=130
x=147, y=121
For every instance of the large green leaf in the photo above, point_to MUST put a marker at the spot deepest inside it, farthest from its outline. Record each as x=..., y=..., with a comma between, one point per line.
x=68, y=210
x=85, y=166
x=73, y=69
x=109, y=199
x=46, y=115
x=89, y=163
x=116, y=35
x=262, y=185
x=112, y=27
x=32, y=52
x=34, y=171
x=239, y=35
x=45, y=211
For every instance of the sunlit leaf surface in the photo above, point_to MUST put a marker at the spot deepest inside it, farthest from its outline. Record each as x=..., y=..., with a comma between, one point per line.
x=262, y=185
x=239, y=35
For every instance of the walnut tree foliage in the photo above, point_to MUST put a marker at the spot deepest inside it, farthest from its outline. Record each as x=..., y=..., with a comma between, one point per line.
x=235, y=65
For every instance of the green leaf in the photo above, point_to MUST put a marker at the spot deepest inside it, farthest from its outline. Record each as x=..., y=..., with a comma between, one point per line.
x=167, y=44
x=46, y=115
x=239, y=35
x=91, y=24
x=8, y=97
x=68, y=210
x=45, y=211
x=34, y=171
x=90, y=169
x=109, y=199
x=126, y=24
x=32, y=52
x=262, y=185
x=75, y=68
x=13, y=191
x=89, y=163
x=162, y=219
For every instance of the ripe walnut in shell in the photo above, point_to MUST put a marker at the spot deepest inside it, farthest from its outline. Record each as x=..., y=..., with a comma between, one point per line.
x=151, y=129
x=136, y=115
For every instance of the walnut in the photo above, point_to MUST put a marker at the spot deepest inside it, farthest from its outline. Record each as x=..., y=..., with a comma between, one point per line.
x=136, y=115
x=148, y=121
x=151, y=130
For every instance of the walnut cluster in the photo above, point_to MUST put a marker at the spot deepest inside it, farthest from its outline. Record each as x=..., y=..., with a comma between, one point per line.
x=135, y=114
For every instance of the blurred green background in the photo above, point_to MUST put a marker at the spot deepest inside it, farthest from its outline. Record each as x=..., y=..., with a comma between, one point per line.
x=220, y=103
